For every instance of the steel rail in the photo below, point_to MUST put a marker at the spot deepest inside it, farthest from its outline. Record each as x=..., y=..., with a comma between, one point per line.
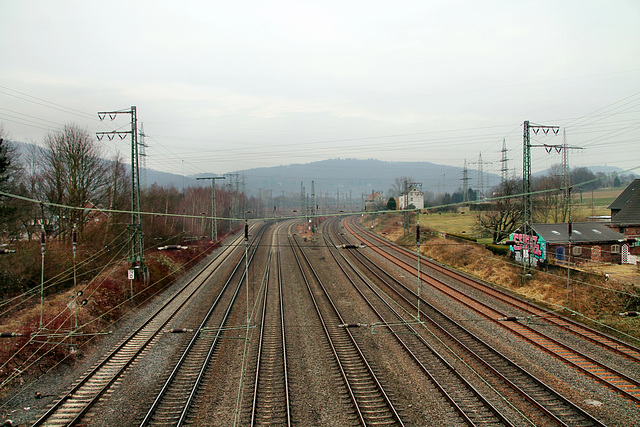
x=502, y=362
x=282, y=340
x=185, y=406
x=595, y=336
x=354, y=346
x=621, y=383
x=455, y=403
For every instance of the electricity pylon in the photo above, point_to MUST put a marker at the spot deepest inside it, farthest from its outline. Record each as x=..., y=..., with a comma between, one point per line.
x=136, y=236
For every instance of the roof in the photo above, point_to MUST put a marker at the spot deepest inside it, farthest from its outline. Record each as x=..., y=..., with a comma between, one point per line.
x=373, y=196
x=583, y=232
x=627, y=205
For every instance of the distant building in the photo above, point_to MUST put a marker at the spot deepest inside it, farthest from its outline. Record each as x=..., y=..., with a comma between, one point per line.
x=625, y=218
x=413, y=197
x=374, y=201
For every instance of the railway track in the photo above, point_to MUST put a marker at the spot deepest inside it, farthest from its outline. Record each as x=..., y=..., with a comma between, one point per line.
x=623, y=384
x=76, y=403
x=270, y=397
x=471, y=406
x=176, y=397
x=528, y=310
x=371, y=402
x=546, y=403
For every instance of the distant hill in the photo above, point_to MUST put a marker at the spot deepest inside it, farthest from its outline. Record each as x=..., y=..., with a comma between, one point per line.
x=348, y=176
x=148, y=177
x=357, y=177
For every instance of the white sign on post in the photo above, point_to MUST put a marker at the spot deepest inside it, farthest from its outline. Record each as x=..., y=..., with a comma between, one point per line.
x=131, y=274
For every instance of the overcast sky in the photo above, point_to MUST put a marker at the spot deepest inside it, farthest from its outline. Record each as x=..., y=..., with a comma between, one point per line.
x=225, y=86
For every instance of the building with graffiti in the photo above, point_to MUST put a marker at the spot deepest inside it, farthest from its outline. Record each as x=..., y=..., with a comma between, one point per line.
x=558, y=244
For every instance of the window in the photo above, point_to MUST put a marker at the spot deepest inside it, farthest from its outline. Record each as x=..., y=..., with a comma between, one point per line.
x=615, y=249
x=577, y=250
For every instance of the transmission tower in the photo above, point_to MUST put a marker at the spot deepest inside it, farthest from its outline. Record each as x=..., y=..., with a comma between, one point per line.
x=480, y=164
x=214, y=212
x=136, y=236
x=143, y=154
x=465, y=183
x=505, y=168
x=527, y=201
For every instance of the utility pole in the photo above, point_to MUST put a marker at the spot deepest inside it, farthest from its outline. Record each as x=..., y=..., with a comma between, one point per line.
x=235, y=206
x=408, y=185
x=566, y=173
x=313, y=206
x=214, y=213
x=136, y=254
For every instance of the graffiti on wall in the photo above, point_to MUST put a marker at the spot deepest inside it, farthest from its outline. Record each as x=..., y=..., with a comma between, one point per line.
x=532, y=246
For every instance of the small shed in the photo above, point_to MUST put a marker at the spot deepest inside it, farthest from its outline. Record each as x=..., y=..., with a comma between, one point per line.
x=589, y=242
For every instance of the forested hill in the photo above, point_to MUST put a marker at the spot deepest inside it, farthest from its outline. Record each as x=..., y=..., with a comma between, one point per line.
x=357, y=176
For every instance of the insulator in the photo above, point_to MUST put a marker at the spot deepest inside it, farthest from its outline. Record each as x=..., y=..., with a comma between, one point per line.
x=509, y=319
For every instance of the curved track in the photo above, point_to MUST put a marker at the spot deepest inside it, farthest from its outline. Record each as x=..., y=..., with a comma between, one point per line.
x=621, y=383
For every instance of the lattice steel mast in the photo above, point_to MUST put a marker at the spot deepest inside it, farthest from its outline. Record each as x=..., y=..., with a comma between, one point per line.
x=136, y=236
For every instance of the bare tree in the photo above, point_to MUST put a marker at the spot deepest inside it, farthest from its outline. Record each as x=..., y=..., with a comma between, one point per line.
x=550, y=203
x=11, y=209
x=506, y=213
x=400, y=185
x=74, y=175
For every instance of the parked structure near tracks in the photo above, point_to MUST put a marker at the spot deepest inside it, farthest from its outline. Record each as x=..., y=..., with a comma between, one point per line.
x=562, y=243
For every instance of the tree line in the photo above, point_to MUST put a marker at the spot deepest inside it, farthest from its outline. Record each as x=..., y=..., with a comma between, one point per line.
x=77, y=187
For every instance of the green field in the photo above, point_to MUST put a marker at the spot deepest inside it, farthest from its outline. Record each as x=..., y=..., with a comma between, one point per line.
x=583, y=206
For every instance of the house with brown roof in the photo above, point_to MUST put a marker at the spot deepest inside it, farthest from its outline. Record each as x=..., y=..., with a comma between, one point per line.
x=374, y=201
